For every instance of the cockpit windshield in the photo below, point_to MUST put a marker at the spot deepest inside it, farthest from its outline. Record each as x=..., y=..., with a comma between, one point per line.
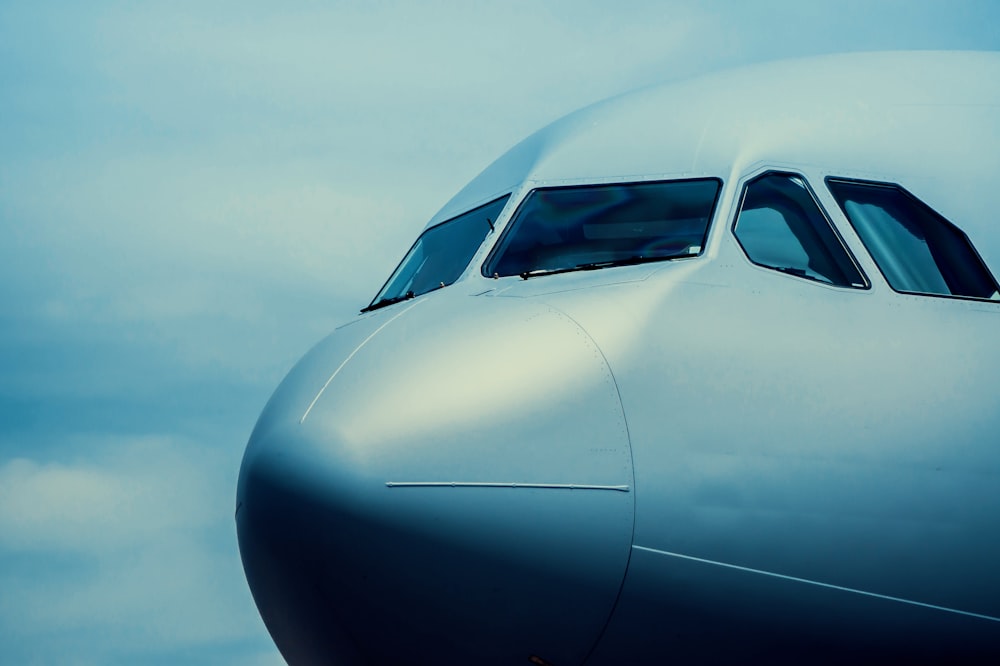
x=581, y=228
x=440, y=255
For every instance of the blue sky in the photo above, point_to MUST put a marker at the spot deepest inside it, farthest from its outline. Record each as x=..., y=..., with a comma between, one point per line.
x=192, y=193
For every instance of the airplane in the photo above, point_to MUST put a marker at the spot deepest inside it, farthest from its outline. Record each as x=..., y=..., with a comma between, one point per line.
x=706, y=373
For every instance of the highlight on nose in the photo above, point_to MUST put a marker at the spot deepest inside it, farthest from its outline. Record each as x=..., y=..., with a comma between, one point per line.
x=459, y=491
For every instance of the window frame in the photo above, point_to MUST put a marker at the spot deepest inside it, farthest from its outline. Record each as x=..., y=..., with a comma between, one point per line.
x=501, y=243
x=745, y=187
x=505, y=198
x=920, y=203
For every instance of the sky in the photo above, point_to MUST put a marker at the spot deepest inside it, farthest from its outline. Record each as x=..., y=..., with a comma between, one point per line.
x=193, y=193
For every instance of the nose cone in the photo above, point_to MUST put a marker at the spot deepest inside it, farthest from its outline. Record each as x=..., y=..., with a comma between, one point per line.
x=443, y=482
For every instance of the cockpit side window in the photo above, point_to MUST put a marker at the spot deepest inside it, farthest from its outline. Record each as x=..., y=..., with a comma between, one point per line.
x=440, y=255
x=781, y=226
x=560, y=229
x=917, y=250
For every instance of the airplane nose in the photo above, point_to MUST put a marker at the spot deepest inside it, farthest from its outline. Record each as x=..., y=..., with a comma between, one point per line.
x=449, y=481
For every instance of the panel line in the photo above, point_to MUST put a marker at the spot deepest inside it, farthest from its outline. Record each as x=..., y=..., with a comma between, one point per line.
x=477, y=484
x=818, y=583
x=351, y=355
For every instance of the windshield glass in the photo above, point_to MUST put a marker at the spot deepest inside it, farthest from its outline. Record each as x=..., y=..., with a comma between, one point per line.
x=917, y=250
x=575, y=228
x=440, y=255
x=781, y=226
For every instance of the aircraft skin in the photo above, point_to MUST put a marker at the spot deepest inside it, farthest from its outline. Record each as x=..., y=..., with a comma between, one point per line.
x=695, y=460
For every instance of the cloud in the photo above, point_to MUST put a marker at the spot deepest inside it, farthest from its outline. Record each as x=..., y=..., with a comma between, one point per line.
x=139, y=489
x=133, y=544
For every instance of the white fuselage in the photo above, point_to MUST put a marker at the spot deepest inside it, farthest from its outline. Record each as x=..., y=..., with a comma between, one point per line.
x=704, y=458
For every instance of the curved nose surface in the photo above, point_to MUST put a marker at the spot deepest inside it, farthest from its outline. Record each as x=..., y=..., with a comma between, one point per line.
x=456, y=489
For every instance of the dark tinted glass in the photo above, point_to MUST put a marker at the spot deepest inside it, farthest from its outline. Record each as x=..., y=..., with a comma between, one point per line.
x=780, y=226
x=441, y=253
x=917, y=250
x=566, y=227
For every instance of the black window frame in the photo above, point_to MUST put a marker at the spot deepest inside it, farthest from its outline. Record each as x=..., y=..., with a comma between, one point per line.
x=379, y=301
x=865, y=284
x=920, y=204
x=501, y=244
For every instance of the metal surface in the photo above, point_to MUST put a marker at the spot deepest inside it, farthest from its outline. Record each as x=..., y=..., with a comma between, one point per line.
x=801, y=473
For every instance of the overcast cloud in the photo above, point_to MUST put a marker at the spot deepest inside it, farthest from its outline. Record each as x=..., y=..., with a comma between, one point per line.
x=191, y=194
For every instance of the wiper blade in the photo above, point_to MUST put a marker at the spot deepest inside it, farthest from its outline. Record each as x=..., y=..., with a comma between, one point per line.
x=595, y=265
x=388, y=301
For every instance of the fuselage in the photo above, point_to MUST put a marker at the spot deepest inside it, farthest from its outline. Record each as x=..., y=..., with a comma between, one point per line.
x=704, y=373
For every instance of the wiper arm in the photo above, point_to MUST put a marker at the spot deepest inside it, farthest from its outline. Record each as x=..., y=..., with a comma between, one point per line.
x=595, y=265
x=388, y=301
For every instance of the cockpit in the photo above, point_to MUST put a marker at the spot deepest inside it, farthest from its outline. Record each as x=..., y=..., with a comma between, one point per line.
x=779, y=225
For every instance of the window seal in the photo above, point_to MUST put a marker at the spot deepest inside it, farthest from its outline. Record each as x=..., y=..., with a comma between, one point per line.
x=377, y=303
x=501, y=243
x=866, y=284
x=920, y=204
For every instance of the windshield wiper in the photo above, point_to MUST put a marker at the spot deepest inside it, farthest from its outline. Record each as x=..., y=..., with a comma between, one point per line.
x=388, y=301
x=595, y=265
